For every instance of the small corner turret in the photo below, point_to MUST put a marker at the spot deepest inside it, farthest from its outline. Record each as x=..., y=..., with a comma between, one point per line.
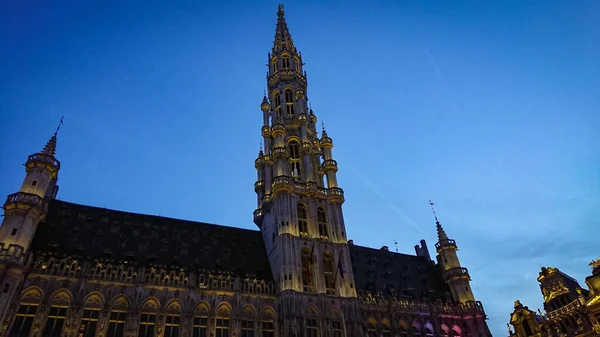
x=24, y=210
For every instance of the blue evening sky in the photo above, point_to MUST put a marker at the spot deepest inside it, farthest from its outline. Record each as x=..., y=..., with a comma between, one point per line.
x=490, y=108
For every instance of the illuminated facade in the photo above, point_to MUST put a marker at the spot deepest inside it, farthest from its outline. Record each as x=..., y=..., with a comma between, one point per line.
x=74, y=270
x=570, y=309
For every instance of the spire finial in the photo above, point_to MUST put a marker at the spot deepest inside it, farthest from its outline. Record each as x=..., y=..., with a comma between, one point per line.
x=440, y=230
x=59, y=124
x=50, y=148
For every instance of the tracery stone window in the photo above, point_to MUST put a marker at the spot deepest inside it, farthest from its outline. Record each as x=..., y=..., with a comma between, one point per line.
x=371, y=328
x=116, y=320
x=173, y=320
x=89, y=318
x=336, y=324
x=222, y=322
x=200, y=321
x=56, y=315
x=268, y=323
x=385, y=329
x=26, y=314
x=148, y=319
x=311, y=324
x=247, y=323
x=294, y=149
x=302, y=220
x=306, y=262
x=328, y=273
x=275, y=67
x=297, y=64
x=285, y=61
x=322, y=222
x=277, y=101
x=289, y=101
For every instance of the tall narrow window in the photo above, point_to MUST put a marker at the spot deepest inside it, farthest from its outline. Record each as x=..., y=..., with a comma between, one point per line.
x=312, y=329
x=55, y=321
x=371, y=329
x=277, y=101
x=222, y=327
x=172, y=325
x=23, y=320
x=297, y=64
x=89, y=321
x=336, y=327
x=199, y=326
x=302, y=220
x=402, y=331
x=428, y=332
x=294, y=149
x=274, y=63
x=385, y=331
x=289, y=101
x=247, y=328
x=328, y=273
x=148, y=319
x=285, y=61
x=322, y=222
x=306, y=261
x=117, y=317
x=268, y=329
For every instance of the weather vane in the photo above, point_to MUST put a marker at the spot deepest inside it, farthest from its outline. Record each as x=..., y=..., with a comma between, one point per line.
x=433, y=210
x=59, y=124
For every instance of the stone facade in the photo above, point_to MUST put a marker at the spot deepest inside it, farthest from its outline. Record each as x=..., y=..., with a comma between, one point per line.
x=75, y=270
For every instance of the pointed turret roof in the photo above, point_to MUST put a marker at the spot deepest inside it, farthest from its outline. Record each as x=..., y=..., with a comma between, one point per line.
x=50, y=148
x=283, y=38
x=440, y=230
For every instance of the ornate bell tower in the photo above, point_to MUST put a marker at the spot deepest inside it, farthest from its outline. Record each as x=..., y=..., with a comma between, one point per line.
x=299, y=202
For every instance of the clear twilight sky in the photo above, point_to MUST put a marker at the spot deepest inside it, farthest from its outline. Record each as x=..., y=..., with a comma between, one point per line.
x=489, y=108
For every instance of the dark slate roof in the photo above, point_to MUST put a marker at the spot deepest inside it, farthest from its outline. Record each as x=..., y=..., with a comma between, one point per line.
x=99, y=233
x=394, y=274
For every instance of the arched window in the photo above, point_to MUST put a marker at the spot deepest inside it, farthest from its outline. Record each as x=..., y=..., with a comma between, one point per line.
x=385, y=329
x=56, y=315
x=306, y=261
x=415, y=331
x=322, y=222
x=302, y=220
x=26, y=314
x=297, y=64
x=89, y=319
x=200, y=321
x=328, y=273
x=428, y=331
x=116, y=321
x=222, y=322
x=445, y=330
x=285, y=61
x=402, y=330
x=294, y=149
x=277, y=101
x=456, y=331
x=173, y=320
x=274, y=65
x=371, y=328
x=247, y=323
x=336, y=323
x=268, y=325
x=312, y=327
x=148, y=319
x=289, y=101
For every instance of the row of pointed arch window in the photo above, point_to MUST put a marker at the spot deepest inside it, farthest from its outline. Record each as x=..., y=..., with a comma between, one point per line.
x=285, y=63
x=308, y=271
x=321, y=221
x=55, y=320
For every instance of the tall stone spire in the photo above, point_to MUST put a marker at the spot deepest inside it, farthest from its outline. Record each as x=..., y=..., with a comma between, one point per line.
x=440, y=230
x=283, y=38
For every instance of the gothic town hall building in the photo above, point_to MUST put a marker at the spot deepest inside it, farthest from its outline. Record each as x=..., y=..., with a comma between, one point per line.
x=74, y=270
